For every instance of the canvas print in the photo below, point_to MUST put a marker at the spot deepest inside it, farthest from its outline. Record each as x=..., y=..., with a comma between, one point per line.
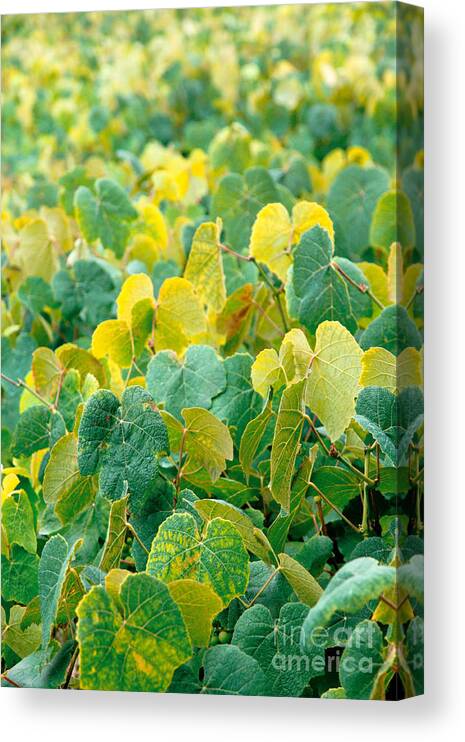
x=212, y=318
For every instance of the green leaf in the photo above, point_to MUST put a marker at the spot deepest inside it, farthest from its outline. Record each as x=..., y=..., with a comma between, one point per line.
x=254, y=540
x=20, y=581
x=116, y=535
x=392, y=221
x=279, y=529
x=348, y=591
x=190, y=382
x=54, y=562
x=36, y=294
x=321, y=291
x=64, y=486
x=137, y=649
x=238, y=403
x=238, y=200
x=252, y=437
x=286, y=442
x=391, y=420
x=414, y=642
x=392, y=329
x=351, y=201
x=216, y=557
x=105, y=215
x=362, y=660
x=18, y=521
x=199, y=605
x=121, y=441
x=276, y=647
x=231, y=672
x=338, y=484
x=45, y=668
x=37, y=428
x=302, y=582
x=88, y=289
x=22, y=641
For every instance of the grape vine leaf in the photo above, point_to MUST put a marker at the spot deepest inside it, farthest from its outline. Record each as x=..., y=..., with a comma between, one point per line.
x=321, y=291
x=231, y=672
x=137, y=648
x=356, y=583
x=352, y=199
x=217, y=557
x=105, y=214
x=192, y=381
x=334, y=377
x=121, y=440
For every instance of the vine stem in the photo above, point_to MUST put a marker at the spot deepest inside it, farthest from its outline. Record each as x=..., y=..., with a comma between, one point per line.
x=177, y=481
x=261, y=590
x=70, y=668
x=133, y=531
x=362, y=287
x=9, y=680
x=334, y=507
x=366, y=468
x=335, y=454
x=321, y=515
x=20, y=384
x=274, y=291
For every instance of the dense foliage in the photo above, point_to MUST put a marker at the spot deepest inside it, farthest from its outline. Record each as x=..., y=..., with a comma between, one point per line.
x=212, y=352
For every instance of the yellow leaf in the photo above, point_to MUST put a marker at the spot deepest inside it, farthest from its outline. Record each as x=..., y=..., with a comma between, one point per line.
x=35, y=254
x=382, y=368
x=179, y=316
x=308, y=214
x=136, y=287
x=204, y=267
x=274, y=232
x=295, y=355
x=378, y=281
x=266, y=371
x=72, y=356
x=112, y=338
x=199, y=604
x=395, y=273
x=46, y=371
x=270, y=240
x=9, y=484
x=334, y=377
x=59, y=229
x=411, y=276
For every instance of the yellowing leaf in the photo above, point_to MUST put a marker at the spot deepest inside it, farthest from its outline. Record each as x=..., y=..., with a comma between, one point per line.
x=204, y=267
x=36, y=255
x=72, y=356
x=266, y=371
x=302, y=582
x=295, y=355
x=334, y=377
x=135, y=288
x=286, y=442
x=208, y=440
x=179, y=317
x=378, y=281
x=46, y=371
x=308, y=214
x=270, y=241
x=382, y=368
x=274, y=232
x=112, y=338
x=395, y=273
x=198, y=605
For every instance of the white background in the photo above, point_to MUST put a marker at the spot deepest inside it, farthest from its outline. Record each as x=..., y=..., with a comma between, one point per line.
x=49, y=716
